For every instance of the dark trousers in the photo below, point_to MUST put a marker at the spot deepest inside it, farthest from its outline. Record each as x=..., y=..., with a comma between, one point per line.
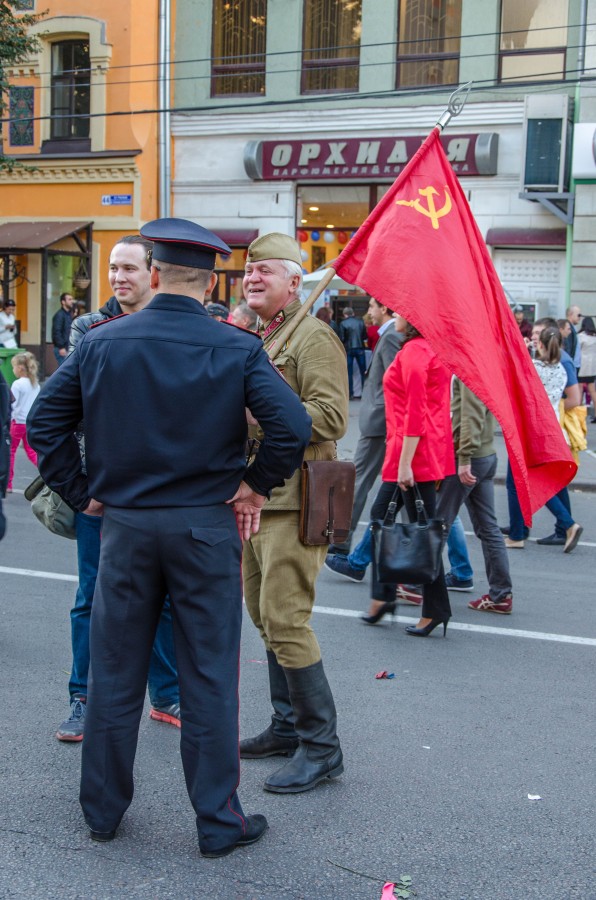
x=435, y=598
x=192, y=554
x=163, y=675
x=360, y=357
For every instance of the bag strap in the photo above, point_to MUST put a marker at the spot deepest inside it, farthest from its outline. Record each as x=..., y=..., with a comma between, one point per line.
x=391, y=514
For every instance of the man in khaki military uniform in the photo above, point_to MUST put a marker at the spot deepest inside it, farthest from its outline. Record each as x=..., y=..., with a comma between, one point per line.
x=279, y=571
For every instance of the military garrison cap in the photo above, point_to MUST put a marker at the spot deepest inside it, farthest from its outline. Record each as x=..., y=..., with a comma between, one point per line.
x=274, y=246
x=217, y=309
x=184, y=243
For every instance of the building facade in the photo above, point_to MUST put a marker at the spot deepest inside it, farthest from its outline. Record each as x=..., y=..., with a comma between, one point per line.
x=297, y=115
x=83, y=124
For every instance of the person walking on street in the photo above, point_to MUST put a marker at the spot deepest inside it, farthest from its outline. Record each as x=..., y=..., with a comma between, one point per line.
x=130, y=280
x=473, y=484
x=352, y=333
x=587, y=372
x=169, y=407
x=61, y=325
x=370, y=450
x=279, y=571
x=571, y=343
x=24, y=390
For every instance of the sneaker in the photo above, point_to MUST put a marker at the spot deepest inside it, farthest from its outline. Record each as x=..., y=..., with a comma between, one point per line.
x=72, y=728
x=551, y=540
x=170, y=715
x=409, y=593
x=341, y=566
x=485, y=604
x=458, y=584
x=513, y=545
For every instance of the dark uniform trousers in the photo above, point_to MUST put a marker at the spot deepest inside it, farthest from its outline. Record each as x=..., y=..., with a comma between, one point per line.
x=194, y=555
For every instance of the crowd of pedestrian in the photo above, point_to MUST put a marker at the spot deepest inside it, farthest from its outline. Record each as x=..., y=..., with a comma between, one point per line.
x=176, y=431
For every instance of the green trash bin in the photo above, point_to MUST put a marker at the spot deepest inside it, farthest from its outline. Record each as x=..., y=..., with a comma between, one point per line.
x=6, y=354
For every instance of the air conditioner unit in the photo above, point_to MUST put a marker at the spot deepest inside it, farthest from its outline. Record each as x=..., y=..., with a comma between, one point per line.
x=546, y=143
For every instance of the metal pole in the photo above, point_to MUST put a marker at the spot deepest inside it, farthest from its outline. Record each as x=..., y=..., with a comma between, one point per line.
x=164, y=107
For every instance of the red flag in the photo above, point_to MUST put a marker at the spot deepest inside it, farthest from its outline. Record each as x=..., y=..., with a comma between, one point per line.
x=421, y=254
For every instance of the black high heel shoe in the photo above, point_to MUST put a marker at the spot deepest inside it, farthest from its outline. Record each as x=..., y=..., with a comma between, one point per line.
x=428, y=629
x=387, y=607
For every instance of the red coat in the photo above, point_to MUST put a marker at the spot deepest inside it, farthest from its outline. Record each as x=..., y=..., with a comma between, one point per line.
x=417, y=403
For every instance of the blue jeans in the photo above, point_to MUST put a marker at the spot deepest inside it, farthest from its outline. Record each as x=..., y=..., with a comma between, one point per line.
x=518, y=531
x=560, y=507
x=457, y=551
x=59, y=359
x=163, y=675
x=360, y=357
x=361, y=555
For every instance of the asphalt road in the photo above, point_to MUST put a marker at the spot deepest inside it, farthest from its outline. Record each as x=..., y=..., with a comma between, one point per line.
x=440, y=760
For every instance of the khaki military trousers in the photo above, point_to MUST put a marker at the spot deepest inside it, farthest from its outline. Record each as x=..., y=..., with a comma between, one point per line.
x=279, y=576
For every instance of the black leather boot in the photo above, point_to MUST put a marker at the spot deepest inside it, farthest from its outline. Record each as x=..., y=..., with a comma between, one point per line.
x=319, y=755
x=280, y=738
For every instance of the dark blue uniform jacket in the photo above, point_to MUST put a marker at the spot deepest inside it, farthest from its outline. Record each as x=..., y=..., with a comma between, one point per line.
x=163, y=394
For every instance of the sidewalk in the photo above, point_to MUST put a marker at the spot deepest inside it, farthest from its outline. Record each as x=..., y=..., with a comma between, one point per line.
x=585, y=479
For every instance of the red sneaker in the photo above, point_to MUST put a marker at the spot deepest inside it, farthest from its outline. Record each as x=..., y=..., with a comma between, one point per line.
x=168, y=714
x=408, y=593
x=485, y=604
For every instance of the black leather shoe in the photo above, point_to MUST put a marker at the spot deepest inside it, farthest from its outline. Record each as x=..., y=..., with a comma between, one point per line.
x=302, y=773
x=552, y=540
x=256, y=826
x=102, y=836
x=267, y=743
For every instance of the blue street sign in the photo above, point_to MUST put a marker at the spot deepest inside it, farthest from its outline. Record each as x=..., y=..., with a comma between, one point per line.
x=116, y=200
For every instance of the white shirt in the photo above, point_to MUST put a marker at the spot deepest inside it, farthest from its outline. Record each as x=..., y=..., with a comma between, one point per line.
x=7, y=338
x=24, y=393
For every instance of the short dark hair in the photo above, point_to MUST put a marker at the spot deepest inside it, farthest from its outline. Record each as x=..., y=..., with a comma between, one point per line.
x=139, y=239
x=64, y=295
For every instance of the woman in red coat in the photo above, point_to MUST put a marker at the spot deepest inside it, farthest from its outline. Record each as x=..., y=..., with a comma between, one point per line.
x=419, y=449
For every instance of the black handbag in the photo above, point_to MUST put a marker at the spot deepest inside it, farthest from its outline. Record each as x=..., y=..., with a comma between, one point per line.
x=408, y=553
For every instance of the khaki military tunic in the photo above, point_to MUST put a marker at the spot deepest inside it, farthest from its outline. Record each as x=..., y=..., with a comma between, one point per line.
x=279, y=571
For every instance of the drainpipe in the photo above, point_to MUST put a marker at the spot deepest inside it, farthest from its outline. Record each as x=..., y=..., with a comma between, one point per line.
x=164, y=107
x=583, y=18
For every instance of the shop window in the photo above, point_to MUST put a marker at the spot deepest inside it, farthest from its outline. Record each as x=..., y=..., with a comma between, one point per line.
x=71, y=90
x=331, y=46
x=428, y=42
x=239, y=46
x=533, y=40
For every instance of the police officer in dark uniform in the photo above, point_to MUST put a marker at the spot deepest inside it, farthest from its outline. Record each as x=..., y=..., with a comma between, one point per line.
x=163, y=395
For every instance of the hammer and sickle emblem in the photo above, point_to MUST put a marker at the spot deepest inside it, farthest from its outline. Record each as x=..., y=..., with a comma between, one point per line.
x=430, y=210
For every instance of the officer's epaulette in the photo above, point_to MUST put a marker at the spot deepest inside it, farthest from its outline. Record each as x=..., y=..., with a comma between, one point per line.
x=105, y=321
x=240, y=328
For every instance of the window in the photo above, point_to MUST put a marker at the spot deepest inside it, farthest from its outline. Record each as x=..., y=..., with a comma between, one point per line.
x=331, y=46
x=533, y=40
x=428, y=42
x=239, y=44
x=71, y=90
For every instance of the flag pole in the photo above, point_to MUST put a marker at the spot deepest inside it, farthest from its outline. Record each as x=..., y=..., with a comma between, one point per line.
x=285, y=333
x=456, y=103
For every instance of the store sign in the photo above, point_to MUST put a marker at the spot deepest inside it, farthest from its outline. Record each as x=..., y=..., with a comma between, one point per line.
x=363, y=158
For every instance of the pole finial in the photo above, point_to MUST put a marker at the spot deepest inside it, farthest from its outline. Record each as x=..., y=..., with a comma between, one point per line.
x=456, y=103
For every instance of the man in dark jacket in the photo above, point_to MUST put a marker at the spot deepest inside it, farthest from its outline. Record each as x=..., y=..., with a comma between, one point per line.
x=129, y=279
x=61, y=325
x=352, y=334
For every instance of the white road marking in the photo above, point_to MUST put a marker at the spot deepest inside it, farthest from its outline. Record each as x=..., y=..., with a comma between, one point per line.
x=353, y=614
x=463, y=626
x=33, y=573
